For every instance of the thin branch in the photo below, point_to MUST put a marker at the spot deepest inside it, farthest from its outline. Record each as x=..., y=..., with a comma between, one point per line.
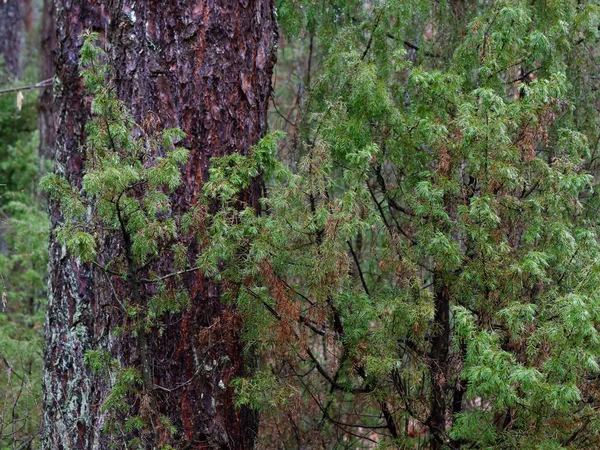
x=301, y=318
x=112, y=272
x=279, y=112
x=336, y=422
x=377, y=20
x=10, y=367
x=179, y=386
x=360, y=272
x=384, y=190
x=174, y=274
x=414, y=47
x=314, y=359
x=41, y=84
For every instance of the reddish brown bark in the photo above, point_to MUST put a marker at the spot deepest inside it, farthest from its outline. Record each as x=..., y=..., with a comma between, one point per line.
x=204, y=66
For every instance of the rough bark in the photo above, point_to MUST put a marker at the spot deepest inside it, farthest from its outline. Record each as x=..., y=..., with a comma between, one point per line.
x=71, y=395
x=12, y=17
x=204, y=66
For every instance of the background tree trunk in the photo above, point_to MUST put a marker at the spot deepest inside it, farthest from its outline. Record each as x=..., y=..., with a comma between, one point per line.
x=12, y=17
x=204, y=67
x=46, y=117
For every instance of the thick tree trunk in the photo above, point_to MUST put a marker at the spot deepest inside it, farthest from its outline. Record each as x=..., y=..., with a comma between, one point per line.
x=204, y=66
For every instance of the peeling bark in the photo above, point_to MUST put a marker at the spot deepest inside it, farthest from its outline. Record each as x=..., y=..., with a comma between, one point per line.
x=203, y=66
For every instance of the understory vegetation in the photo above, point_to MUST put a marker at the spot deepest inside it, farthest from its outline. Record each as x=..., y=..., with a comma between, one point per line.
x=23, y=255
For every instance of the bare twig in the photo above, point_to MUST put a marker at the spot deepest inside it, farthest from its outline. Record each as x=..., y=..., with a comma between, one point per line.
x=41, y=84
x=181, y=272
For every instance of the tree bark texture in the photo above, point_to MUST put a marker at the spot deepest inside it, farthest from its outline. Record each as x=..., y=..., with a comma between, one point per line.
x=70, y=394
x=204, y=66
x=12, y=17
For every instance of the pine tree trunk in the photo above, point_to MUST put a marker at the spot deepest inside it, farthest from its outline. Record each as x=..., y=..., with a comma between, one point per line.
x=71, y=395
x=205, y=67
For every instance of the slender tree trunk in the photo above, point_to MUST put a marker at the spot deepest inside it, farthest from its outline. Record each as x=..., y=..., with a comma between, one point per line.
x=204, y=66
x=11, y=27
x=440, y=347
x=45, y=114
x=12, y=16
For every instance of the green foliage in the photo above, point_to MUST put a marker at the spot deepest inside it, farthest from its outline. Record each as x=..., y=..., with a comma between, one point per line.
x=118, y=167
x=125, y=191
x=23, y=261
x=439, y=175
x=262, y=391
